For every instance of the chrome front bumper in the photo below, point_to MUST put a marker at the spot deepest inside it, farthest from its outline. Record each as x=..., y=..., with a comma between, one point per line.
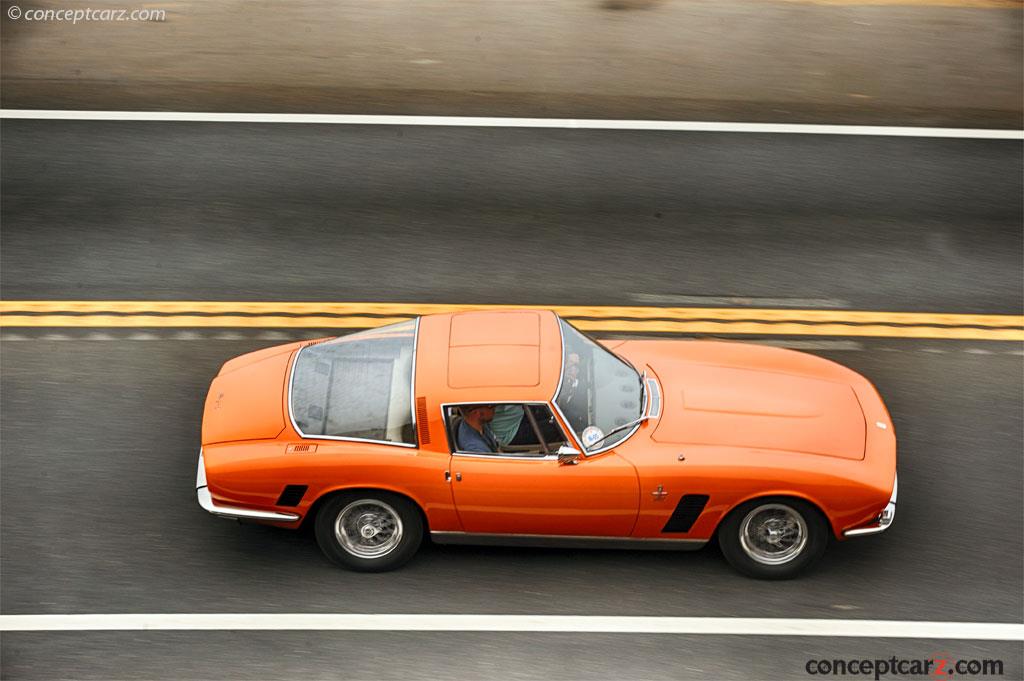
x=884, y=519
x=206, y=501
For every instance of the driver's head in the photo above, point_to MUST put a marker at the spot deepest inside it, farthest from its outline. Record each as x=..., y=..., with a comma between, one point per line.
x=478, y=413
x=573, y=365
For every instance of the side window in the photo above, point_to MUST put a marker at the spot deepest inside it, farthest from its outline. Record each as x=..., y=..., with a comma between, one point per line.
x=503, y=429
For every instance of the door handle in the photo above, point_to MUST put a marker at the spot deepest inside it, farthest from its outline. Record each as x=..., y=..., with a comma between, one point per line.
x=458, y=477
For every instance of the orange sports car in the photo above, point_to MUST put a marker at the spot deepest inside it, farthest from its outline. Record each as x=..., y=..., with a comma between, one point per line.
x=512, y=427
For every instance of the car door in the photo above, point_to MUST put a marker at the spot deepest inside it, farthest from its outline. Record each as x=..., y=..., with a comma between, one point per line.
x=533, y=493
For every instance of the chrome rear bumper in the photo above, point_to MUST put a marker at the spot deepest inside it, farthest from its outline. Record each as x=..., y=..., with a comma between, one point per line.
x=884, y=520
x=206, y=501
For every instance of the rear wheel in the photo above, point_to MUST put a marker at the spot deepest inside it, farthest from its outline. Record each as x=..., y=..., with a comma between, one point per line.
x=369, y=531
x=773, y=538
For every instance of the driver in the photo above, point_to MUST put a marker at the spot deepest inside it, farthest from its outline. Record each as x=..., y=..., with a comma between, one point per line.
x=474, y=433
x=572, y=395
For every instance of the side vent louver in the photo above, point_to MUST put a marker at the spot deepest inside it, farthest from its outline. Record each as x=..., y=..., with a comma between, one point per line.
x=301, y=449
x=292, y=495
x=421, y=421
x=687, y=511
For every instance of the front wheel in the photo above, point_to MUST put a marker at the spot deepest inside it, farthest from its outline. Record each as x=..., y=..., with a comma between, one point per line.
x=773, y=538
x=369, y=531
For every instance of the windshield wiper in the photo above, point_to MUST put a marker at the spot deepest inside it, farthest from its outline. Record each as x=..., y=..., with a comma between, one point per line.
x=619, y=429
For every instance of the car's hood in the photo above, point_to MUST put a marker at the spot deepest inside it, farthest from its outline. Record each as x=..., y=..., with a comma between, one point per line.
x=246, y=400
x=748, y=400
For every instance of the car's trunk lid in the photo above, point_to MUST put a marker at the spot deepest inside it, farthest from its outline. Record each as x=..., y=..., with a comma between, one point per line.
x=246, y=401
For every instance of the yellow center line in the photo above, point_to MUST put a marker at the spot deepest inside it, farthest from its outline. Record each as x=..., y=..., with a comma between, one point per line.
x=10, y=308
x=187, y=321
x=614, y=325
x=629, y=319
x=784, y=329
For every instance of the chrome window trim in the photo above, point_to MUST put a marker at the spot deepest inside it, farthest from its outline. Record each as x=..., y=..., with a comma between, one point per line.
x=561, y=540
x=504, y=457
x=554, y=400
x=561, y=366
x=495, y=455
x=342, y=438
x=412, y=382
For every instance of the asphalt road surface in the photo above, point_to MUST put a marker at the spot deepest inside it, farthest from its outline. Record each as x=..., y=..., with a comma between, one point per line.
x=193, y=211
x=100, y=436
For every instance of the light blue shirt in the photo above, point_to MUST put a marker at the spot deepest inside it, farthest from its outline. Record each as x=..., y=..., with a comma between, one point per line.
x=469, y=440
x=505, y=424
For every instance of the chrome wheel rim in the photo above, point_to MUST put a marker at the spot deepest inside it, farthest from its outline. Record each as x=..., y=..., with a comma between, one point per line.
x=368, y=528
x=773, y=534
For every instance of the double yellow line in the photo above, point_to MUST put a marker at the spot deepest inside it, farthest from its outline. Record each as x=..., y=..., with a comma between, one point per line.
x=635, y=319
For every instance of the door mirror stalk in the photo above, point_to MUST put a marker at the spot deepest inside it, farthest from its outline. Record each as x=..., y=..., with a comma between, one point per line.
x=568, y=456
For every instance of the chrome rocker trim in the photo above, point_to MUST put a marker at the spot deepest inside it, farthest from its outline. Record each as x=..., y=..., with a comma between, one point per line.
x=565, y=541
x=884, y=520
x=206, y=501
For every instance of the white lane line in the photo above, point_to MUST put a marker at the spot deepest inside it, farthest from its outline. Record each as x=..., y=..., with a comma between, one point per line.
x=500, y=122
x=524, y=623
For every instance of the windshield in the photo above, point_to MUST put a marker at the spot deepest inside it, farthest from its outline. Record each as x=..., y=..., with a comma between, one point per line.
x=599, y=391
x=357, y=386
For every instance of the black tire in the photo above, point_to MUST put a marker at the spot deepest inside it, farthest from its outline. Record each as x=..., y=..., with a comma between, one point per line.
x=764, y=553
x=343, y=520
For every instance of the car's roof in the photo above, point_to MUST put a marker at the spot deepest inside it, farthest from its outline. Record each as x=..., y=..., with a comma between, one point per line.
x=488, y=356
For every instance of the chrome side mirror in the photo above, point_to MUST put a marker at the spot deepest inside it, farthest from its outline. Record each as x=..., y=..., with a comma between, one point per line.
x=568, y=456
